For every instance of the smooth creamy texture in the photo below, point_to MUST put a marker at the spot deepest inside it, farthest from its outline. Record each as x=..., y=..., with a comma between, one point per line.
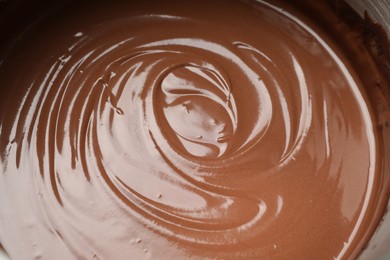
x=193, y=129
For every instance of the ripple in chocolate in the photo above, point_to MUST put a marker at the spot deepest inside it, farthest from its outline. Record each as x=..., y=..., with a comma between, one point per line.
x=183, y=129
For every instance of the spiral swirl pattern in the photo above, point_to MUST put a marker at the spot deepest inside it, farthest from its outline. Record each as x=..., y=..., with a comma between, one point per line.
x=201, y=138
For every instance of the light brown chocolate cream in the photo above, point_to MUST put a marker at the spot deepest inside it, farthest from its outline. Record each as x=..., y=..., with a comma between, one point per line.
x=178, y=129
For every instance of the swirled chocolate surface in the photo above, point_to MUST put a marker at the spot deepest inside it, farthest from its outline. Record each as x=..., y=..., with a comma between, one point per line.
x=220, y=129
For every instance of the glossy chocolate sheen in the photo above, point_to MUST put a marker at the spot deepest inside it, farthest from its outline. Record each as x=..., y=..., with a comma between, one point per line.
x=177, y=129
